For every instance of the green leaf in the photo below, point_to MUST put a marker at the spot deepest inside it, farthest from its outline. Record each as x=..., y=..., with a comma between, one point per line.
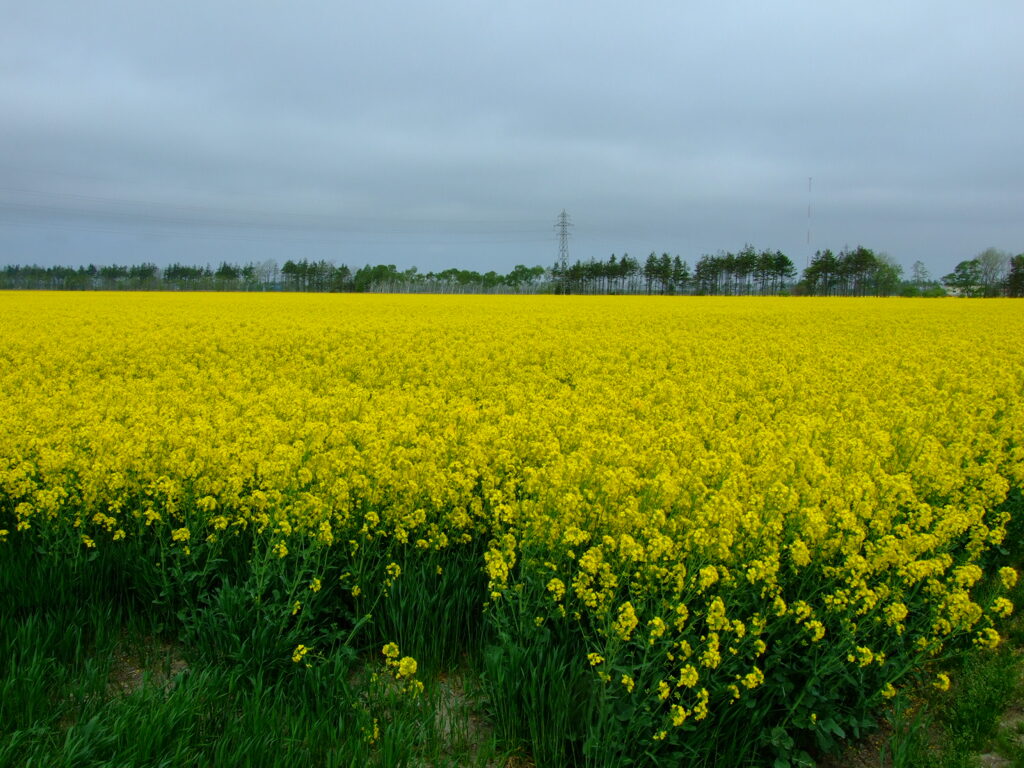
x=805, y=760
x=831, y=726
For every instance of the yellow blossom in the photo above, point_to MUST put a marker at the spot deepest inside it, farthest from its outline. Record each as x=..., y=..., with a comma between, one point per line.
x=626, y=621
x=1008, y=576
x=407, y=666
x=987, y=638
x=688, y=676
x=557, y=588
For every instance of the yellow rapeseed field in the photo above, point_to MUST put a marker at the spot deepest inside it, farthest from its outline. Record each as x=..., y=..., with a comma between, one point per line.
x=700, y=485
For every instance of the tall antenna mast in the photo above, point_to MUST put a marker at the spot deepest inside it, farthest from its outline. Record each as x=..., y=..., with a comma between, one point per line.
x=809, y=179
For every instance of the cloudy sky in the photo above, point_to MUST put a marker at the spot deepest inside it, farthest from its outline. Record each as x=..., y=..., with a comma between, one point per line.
x=452, y=133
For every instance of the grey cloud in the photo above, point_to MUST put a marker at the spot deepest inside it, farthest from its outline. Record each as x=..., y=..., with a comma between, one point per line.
x=456, y=131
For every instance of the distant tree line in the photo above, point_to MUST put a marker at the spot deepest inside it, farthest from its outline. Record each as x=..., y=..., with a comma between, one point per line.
x=745, y=273
x=856, y=272
x=311, y=276
x=850, y=272
x=991, y=273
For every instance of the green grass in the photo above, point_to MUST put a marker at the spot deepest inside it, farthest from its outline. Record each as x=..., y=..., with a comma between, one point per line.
x=92, y=676
x=951, y=730
x=64, y=701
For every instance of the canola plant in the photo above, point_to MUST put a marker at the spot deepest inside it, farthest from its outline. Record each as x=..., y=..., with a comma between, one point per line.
x=728, y=509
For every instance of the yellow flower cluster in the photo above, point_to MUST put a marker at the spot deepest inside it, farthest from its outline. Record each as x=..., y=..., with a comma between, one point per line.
x=403, y=669
x=718, y=473
x=299, y=655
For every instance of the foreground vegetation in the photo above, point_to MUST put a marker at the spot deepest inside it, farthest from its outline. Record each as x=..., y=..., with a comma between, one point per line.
x=972, y=716
x=714, y=532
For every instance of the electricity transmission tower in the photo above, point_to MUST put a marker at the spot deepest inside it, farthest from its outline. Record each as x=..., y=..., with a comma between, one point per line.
x=562, y=227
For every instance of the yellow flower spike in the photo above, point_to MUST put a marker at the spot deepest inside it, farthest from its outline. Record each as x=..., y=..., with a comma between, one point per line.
x=700, y=710
x=800, y=554
x=626, y=622
x=753, y=679
x=862, y=656
x=1008, y=577
x=895, y=613
x=373, y=735
x=987, y=638
x=407, y=666
x=1002, y=607
x=688, y=676
x=557, y=588
x=715, y=616
x=711, y=657
x=682, y=615
x=816, y=629
x=708, y=575
x=657, y=628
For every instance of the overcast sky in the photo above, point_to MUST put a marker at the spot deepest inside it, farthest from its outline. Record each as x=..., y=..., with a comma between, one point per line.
x=452, y=133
